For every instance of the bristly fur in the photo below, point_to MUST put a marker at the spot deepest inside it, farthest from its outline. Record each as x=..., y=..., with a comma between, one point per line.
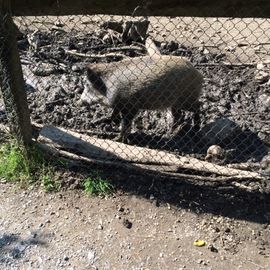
x=153, y=82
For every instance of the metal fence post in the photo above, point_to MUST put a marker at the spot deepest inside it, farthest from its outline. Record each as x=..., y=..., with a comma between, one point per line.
x=11, y=78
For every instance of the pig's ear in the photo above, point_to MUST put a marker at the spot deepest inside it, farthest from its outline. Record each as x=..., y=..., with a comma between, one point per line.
x=96, y=81
x=92, y=75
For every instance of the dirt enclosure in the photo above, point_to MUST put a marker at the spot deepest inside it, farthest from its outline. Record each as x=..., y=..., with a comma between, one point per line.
x=231, y=55
x=149, y=223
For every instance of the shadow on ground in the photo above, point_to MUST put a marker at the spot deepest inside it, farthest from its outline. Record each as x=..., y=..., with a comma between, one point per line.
x=13, y=247
x=249, y=200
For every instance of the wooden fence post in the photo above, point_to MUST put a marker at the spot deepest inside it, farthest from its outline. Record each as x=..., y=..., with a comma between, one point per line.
x=11, y=78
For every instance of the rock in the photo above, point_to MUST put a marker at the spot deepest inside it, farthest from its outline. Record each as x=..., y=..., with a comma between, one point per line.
x=264, y=100
x=172, y=46
x=30, y=86
x=215, y=152
x=163, y=45
x=55, y=94
x=107, y=38
x=260, y=66
x=113, y=25
x=127, y=223
x=44, y=69
x=135, y=30
x=212, y=248
x=230, y=48
x=91, y=256
x=205, y=51
x=58, y=23
x=262, y=77
x=76, y=68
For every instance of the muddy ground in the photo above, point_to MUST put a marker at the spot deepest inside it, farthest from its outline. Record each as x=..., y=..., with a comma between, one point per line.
x=149, y=223
x=235, y=96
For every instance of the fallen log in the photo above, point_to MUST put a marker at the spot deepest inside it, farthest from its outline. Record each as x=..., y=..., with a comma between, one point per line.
x=151, y=170
x=115, y=152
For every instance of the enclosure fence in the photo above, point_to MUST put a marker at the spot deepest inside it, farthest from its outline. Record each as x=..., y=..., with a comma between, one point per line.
x=175, y=95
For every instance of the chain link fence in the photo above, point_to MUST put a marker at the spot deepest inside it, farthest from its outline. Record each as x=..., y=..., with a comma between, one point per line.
x=193, y=99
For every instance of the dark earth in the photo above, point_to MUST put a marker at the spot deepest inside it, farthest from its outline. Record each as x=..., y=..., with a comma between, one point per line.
x=232, y=96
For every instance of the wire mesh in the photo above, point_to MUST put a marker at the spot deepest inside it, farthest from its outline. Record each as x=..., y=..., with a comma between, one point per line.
x=201, y=102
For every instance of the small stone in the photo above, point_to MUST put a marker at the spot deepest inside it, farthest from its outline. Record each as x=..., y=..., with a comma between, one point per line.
x=127, y=223
x=205, y=51
x=157, y=203
x=262, y=77
x=215, y=152
x=163, y=45
x=265, y=100
x=91, y=256
x=230, y=49
x=76, y=68
x=121, y=209
x=44, y=69
x=100, y=227
x=114, y=25
x=58, y=23
x=260, y=66
x=66, y=258
x=106, y=38
x=212, y=248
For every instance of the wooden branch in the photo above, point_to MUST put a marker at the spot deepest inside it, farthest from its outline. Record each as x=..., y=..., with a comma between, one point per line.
x=226, y=64
x=108, y=150
x=154, y=171
x=126, y=48
x=99, y=56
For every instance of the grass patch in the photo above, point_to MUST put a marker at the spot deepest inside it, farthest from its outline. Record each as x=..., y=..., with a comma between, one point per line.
x=96, y=185
x=49, y=184
x=26, y=167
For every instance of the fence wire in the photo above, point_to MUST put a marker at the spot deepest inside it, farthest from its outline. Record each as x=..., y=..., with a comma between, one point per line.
x=196, y=102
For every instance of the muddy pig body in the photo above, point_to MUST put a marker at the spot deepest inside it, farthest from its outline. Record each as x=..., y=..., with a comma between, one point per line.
x=147, y=83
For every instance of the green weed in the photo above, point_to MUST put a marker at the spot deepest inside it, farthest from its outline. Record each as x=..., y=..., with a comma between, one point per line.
x=95, y=185
x=26, y=166
x=49, y=184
